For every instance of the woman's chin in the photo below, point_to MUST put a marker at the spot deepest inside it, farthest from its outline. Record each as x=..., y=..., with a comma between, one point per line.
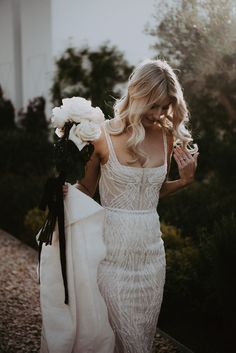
x=149, y=122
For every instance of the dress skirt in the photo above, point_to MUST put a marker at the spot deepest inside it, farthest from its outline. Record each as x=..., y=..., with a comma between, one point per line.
x=131, y=278
x=116, y=274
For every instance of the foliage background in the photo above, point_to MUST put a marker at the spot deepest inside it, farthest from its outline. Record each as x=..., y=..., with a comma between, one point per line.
x=197, y=37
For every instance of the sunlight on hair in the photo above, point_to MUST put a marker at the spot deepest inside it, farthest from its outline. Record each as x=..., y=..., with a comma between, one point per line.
x=150, y=83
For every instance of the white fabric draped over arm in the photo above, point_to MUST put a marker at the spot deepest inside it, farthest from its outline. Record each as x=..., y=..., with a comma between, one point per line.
x=83, y=325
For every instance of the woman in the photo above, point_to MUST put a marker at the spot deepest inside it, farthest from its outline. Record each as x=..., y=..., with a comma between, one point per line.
x=130, y=162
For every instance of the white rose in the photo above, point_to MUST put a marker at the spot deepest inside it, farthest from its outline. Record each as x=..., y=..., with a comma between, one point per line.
x=88, y=131
x=75, y=138
x=78, y=108
x=97, y=115
x=59, y=118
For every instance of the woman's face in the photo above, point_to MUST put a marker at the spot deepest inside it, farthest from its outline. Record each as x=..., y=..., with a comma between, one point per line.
x=152, y=116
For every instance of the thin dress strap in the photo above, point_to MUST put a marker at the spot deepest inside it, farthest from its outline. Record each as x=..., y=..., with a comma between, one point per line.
x=108, y=139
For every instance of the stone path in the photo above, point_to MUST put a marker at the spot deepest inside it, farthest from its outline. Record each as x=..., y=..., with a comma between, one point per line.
x=20, y=319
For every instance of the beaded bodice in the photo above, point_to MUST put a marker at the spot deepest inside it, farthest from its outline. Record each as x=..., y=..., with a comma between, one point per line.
x=127, y=187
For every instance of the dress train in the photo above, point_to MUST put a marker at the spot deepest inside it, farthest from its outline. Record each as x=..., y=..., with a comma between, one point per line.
x=83, y=325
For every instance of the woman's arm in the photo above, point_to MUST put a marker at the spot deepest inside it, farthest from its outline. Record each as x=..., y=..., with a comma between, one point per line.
x=89, y=183
x=187, y=165
x=172, y=186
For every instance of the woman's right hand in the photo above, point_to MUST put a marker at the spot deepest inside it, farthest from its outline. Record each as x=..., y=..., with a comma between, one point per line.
x=65, y=190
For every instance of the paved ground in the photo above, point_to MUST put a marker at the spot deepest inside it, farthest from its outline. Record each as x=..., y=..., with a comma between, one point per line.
x=20, y=319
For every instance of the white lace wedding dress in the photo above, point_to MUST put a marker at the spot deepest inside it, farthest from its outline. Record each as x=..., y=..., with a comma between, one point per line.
x=115, y=265
x=131, y=277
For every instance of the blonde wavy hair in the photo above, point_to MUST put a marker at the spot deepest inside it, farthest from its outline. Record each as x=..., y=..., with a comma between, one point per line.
x=151, y=83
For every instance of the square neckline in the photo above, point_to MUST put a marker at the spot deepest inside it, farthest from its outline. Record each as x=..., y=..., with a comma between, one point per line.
x=110, y=143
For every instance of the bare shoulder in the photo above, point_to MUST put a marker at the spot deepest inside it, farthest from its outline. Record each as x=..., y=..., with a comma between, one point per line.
x=100, y=145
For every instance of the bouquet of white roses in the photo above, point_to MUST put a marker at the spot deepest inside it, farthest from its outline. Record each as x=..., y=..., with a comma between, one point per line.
x=77, y=124
x=85, y=120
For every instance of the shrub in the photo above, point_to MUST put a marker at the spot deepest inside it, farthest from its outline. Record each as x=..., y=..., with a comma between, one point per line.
x=98, y=75
x=33, y=221
x=25, y=162
x=182, y=264
x=7, y=113
x=224, y=232
x=34, y=120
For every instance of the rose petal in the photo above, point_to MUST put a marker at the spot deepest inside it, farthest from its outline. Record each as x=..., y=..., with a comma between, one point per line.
x=59, y=132
x=76, y=139
x=88, y=131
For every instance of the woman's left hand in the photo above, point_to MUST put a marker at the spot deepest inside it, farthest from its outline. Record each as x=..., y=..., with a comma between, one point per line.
x=187, y=164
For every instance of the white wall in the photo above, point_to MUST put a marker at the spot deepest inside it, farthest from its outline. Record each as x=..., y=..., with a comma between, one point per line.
x=36, y=48
x=26, y=61
x=7, y=69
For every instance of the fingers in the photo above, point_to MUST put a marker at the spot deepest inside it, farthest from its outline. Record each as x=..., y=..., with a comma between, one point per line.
x=179, y=160
x=184, y=157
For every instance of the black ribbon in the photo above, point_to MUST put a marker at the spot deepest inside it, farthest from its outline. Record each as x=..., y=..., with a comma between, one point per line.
x=54, y=200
